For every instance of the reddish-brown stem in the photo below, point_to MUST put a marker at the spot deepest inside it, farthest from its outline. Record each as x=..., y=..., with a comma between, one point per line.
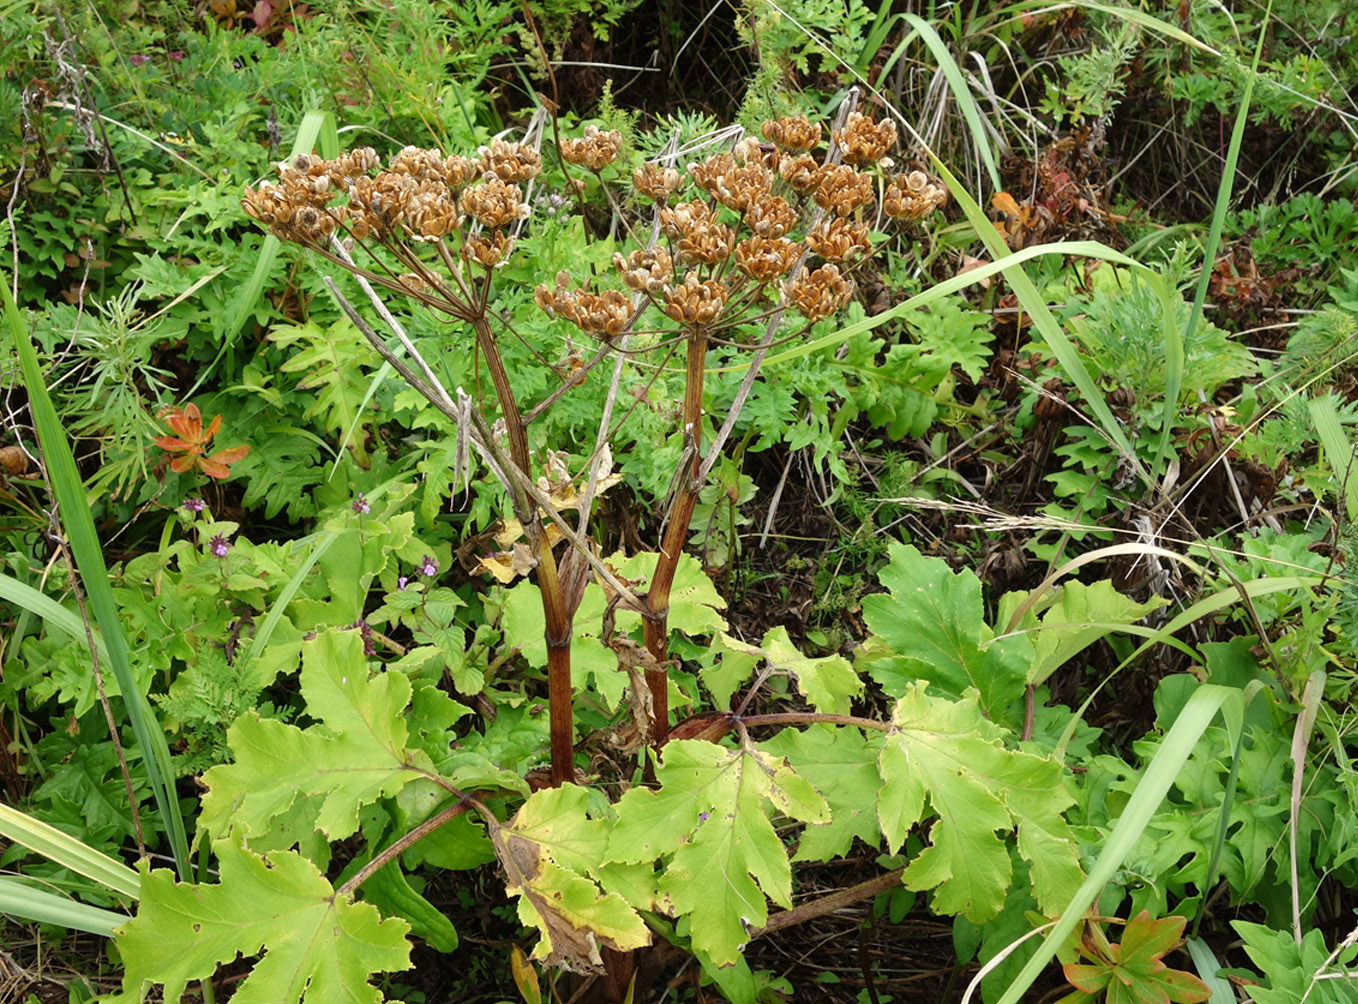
x=829, y=904
x=556, y=617
x=656, y=631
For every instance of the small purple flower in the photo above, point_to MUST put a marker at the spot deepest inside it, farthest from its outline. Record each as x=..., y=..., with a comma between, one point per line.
x=193, y=505
x=176, y=54
x=360, y=505
x=366, y=633
x=137, y=58
x=218, y=546
x=702, y=817
x=428, y=566
x=401, y=583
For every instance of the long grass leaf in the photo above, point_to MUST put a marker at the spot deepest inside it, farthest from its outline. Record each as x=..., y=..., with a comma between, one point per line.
x=19, y=899
x=1150, y=792
x=49, y=611
x=957, y=83
x=75, y=517
x=67, y=851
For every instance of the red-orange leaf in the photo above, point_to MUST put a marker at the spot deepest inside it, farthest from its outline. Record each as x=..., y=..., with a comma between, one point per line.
x=1134, y=972
x=188, y=449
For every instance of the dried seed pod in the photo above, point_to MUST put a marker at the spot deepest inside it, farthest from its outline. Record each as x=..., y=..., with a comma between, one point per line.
x=595, y=150
x=490, y=251
x=431, y=211
x=770, y=217
x=863, y=141
x=837, y=239
x=493, y=203
x=819, y=294
x=655, y=182
x=603, y=314
x=422, y=165
x=695, y=302
x=841, y=189
x=510, y=162
x=913, y=196
x=766, y=259
x=646, y=270
x=799, y=173
x=792, y=133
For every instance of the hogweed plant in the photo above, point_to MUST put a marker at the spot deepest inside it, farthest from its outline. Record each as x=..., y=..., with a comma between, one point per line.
x=761, y=236
x=737, y=251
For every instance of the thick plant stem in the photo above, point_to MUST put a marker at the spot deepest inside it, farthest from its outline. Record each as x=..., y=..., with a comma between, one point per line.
x=685, y=498
x=555, y=614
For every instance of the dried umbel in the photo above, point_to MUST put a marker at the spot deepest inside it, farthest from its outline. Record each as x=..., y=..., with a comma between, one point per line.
x=697, y=236
x=764, y=259
x=863, y=141
x=792, y=133
x=602, y=314
x=837, y=239
x=800, y=173
x=489, y=250
x=510, y=162
x=695, y=302
x=841, y=189
x=913, y=196
x=422, y=165
x=819, y=294
x=430, y=211
x=595, y=150
x=377, y=205
x=655, y=182
x=770, y=217
x=494, y=203
x=734, y=185
x=646, y=270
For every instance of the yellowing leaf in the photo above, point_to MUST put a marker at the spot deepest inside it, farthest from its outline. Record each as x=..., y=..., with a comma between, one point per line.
x=710, y=814
x=977, y=788
x=316, y=948
x=540, y=850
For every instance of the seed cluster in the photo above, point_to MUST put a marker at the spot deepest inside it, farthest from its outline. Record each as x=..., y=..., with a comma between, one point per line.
x=595, y=150
x=753, y=220
x=912, y=196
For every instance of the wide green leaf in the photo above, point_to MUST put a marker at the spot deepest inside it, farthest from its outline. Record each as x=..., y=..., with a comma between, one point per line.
x=316, y=947
x=356, y=753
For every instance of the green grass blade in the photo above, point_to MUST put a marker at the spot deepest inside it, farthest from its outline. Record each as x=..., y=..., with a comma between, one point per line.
x=961, y=94
x=1150, y=792
x=1223, y=201
x=1338, y=450
x=49, y=611
x=1208, y=965
x=74, y=513
x=68, y=852
x=19, y=899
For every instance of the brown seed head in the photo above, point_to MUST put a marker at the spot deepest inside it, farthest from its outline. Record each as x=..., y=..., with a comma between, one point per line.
x=694, y=302
x=646, y=270
x=422, y=165
x=595, y=150
x=510, y=162
x=841, y=189
x=792, y=133
x=490, y=250
x=603, y=314
x=766, y=259
x=819, y=294
x=734, y=186
x=493, y=203
x=770, y=216
x=431, y=210
x=655, y=182
x=913, y=196
x=863, y=141
x=378, y=203
x=837, y=239
x=799, y=173
x=458, y=171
